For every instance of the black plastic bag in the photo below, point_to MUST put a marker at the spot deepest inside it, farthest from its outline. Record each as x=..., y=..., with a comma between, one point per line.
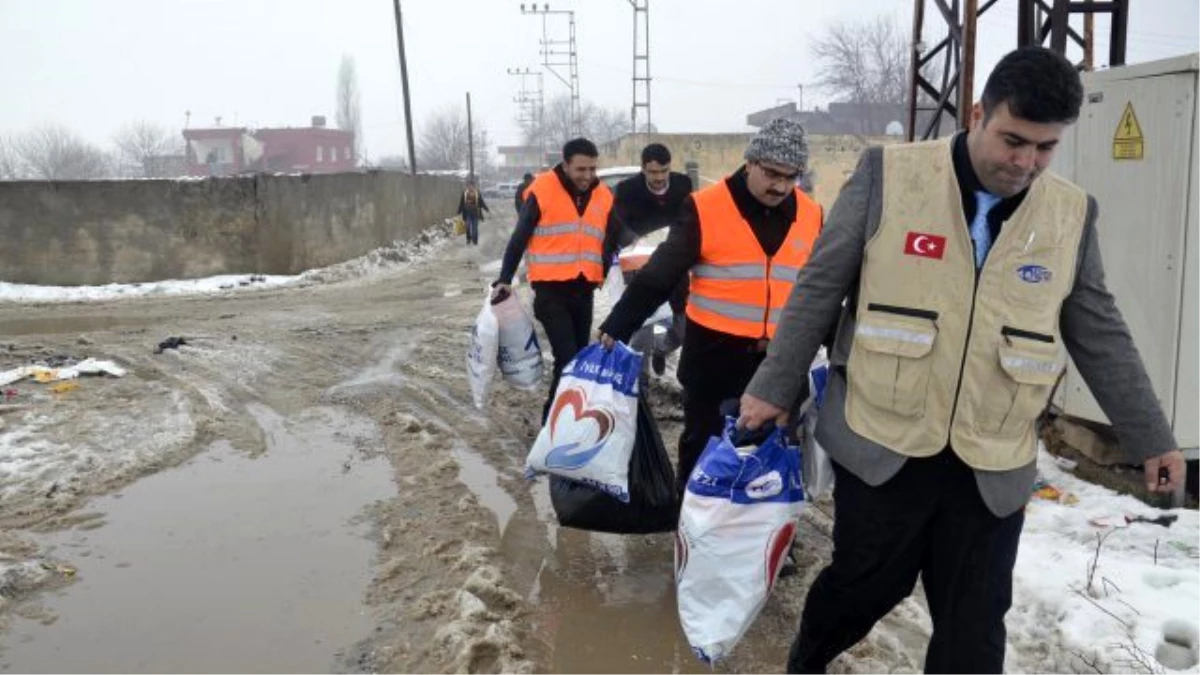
x=652, y=506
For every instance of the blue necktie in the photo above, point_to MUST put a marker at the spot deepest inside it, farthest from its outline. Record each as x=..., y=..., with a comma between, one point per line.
x=980, y=232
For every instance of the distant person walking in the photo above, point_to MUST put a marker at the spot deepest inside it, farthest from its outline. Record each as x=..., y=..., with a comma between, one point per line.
x=471, y=207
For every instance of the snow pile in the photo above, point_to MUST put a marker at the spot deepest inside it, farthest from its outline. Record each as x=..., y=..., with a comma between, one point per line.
x=10, y=292
x=1143, y=599
x=398, y=254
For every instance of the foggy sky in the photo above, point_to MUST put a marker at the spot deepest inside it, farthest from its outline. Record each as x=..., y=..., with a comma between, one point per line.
x=93, y=65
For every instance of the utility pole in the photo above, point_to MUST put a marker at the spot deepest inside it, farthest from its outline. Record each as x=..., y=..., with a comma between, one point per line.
x=572, y=58
x=1038, y=22
x=470, y=143
x=408, y=127
x=641, y=63
x=531, y=108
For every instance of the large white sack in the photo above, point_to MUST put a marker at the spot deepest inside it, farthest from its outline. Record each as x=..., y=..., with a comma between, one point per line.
x=736, y=526
x=520, y=355
x=482, y=352
x=590, y=432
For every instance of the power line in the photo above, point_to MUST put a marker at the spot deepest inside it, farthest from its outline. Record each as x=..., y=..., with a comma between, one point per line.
x=572, y=58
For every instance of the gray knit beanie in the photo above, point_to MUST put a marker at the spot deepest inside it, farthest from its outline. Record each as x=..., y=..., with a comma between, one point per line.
x=781, y=141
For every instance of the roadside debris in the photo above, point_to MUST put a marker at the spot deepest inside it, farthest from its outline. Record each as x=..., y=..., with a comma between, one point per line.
x=170, y=343
x=45, y=374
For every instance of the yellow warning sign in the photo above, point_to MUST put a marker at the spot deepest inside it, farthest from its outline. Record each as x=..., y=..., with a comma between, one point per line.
x=1127, y=141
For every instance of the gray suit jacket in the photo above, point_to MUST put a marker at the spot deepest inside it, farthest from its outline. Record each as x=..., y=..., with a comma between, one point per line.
x=1092, y=329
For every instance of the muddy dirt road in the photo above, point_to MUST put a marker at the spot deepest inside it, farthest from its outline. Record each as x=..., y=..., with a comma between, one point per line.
x=305, y=486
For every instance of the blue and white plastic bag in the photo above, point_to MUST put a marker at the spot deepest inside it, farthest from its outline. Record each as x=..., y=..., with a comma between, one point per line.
x=817, y=467
x=590, y=431
x=735, y=529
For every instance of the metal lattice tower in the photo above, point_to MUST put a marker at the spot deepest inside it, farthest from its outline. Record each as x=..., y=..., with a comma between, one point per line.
x=954, y=97
x=531, y=107
x=641, y=63
x=553, y=57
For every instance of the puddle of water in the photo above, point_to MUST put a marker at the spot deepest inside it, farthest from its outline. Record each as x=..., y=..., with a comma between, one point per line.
x=224, y=564
x=484, y=482
x=606, y=603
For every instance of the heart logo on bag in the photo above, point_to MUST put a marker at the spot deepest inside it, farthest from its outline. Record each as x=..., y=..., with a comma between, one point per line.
x=574, y=452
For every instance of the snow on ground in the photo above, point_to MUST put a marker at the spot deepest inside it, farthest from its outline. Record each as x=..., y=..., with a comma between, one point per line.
x=387, y=257
x=1117, y=624
x=55, y=456
x=11, y=292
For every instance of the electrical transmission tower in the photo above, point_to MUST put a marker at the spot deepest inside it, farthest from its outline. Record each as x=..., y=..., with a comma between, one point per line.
x=531, y=108
x=553, y=57
x=641, y=63
x=1037, y=21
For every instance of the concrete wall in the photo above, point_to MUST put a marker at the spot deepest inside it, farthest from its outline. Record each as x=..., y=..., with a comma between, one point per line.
x=832, y=157
x=97, y=232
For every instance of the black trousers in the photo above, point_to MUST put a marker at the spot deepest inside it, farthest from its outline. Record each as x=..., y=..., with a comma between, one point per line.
x=701, y=420
x=928, y=520
x=565, y=312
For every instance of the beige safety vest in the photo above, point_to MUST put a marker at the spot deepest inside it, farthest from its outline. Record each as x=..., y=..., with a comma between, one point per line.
x=938, y=358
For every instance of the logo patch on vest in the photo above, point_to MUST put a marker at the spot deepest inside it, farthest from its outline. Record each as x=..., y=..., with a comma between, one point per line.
x=925, y=245
x=1034, y=274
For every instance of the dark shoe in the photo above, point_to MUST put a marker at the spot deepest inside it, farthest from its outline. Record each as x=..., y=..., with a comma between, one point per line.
x=658, y=363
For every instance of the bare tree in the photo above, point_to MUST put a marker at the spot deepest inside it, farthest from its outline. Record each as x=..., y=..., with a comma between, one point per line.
x=393, y=162
x=866, y=62
x=599, y=124
x=55, y=153
x=349, y=104
x=10, y=165
x=139, y=142
x=442, y=143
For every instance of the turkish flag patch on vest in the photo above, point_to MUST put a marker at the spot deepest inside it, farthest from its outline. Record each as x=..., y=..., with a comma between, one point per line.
x=925, y=245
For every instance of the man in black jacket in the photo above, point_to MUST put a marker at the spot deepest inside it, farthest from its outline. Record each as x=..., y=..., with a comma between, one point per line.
x=519, y=195
x=715, y=365
x=648, y=202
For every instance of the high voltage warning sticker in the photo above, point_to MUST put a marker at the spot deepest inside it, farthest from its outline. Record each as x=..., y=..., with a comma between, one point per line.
x=1127, y=141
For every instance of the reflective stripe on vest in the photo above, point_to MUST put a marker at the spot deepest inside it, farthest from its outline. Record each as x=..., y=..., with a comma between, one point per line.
x=569, y=228
x=559, y=258
x=737, y=310
x=735, y=288
x=744, y=271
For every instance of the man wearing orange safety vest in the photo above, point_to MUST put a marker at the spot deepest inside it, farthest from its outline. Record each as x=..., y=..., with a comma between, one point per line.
x=743, y=241
x=568, y=232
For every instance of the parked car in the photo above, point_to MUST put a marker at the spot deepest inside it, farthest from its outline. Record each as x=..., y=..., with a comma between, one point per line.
x=615, y=174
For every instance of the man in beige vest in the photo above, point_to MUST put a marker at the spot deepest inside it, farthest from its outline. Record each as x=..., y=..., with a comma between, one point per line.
x=966, y=269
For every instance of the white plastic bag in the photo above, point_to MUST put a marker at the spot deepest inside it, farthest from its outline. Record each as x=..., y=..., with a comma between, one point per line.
x=614, y=287
x=736, y=526
x=482, y=353
x=590, y=432
x=520, y=355
x=817, y=466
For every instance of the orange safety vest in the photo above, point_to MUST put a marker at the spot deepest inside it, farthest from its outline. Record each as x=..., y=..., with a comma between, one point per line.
x=566, y=245
x=735, y=287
